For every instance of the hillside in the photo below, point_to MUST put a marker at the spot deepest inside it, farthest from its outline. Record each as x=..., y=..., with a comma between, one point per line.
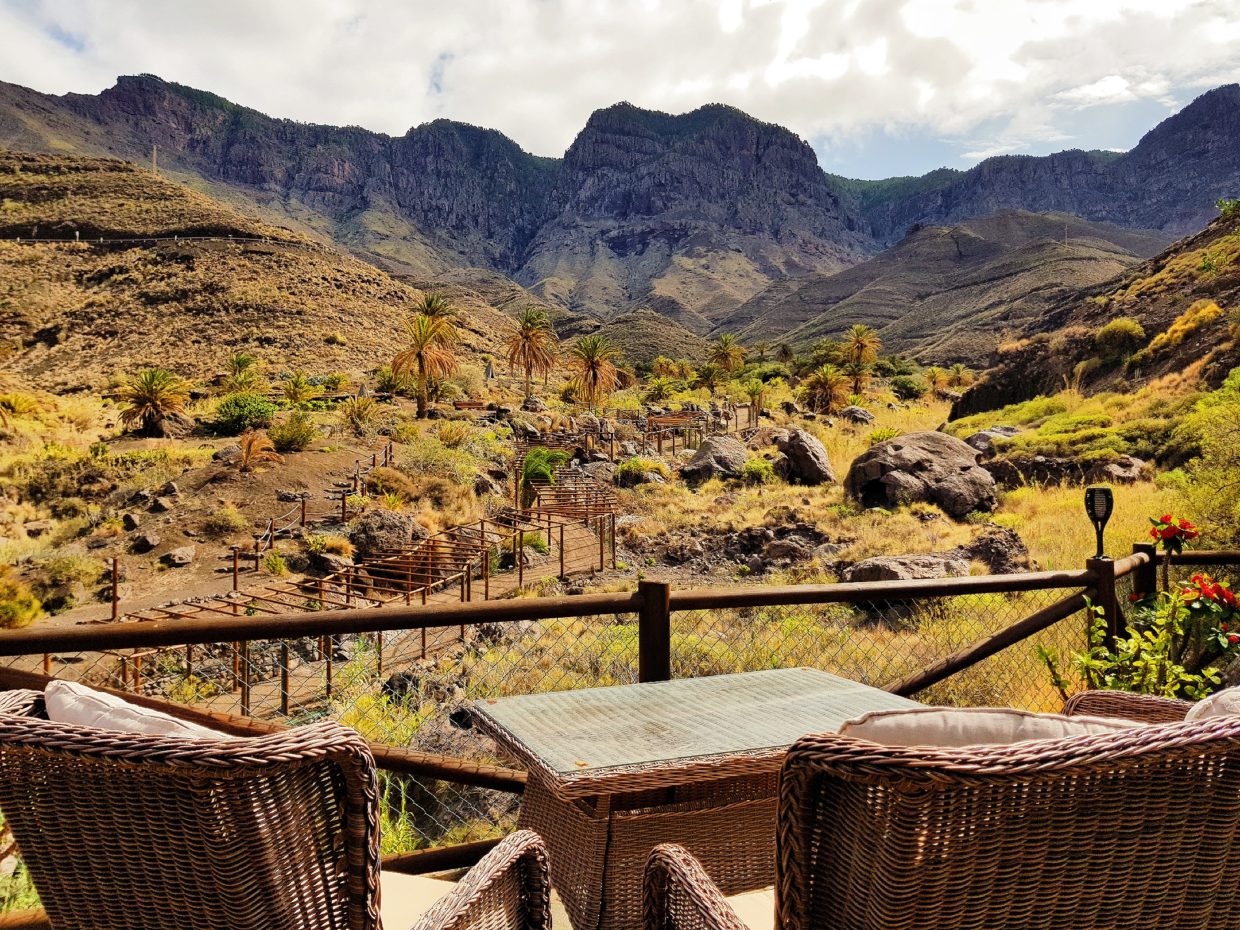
x=76, y=314
x=1186, y=300
x=949, y=294
x=645, y=335
x=691, y=215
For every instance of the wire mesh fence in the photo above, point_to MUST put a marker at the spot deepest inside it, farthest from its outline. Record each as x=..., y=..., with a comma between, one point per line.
x=881, y=641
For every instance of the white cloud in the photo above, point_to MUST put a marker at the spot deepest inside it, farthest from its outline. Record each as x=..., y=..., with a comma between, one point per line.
x=996, y=73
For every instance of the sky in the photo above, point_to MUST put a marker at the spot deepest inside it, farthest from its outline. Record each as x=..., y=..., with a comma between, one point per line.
x=878, y=87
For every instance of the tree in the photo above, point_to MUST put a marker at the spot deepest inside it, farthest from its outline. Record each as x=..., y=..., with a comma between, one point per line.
x=936, y=377
x=434, y=305
x=298, y=391
x=664, y=367
x=959, y=376
x=153, y=395
x=859, y=373
x=755, y=390
x=761, y=348
x=861, y=345
x=256, y=448
x=539, y=466
x=727, y=353
x=429, y=354
x=784, y=353
x=532, y=347
x=709, y=376
x=826, y=389
x=595, y=373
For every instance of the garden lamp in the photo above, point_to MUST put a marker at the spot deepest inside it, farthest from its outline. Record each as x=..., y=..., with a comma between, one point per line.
x=1099, y=504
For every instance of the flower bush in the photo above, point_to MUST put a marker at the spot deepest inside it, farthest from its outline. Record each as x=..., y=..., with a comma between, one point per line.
x=1171, y=534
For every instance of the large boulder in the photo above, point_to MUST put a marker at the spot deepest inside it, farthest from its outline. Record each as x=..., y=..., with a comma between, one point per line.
x=533, y=404
x=927, y=466
x=1002, y=549
x=807, y=458
x=855, y=414
x=909, y=567
x=379, y=530
x=717, y=457
x=180, y=556
x=1126, y=469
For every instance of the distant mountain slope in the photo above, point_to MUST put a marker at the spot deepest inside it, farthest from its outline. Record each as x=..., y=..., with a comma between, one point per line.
x=1169, y=181
x=948, y=293
x=645, y=335
x=1187, y=300
x=77, y=314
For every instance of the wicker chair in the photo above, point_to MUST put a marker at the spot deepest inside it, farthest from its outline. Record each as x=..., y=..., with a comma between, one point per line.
x=124, y=831
x=1131, y=830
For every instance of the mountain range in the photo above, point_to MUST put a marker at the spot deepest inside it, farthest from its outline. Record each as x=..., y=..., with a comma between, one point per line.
x=695, y=216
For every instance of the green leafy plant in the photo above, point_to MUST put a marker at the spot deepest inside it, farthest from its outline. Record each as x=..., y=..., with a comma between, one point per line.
x=151, y=397
x=882, y=434
x=539, y=466
x=757, y=471
x=907, y=387
x=18, y=605
x=359, y=414
x=1228, y=207
x=273, y=564
x=295, y=434
x=240, y=412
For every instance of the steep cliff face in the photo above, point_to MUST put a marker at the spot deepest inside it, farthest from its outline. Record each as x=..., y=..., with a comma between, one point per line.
x=1169, y=181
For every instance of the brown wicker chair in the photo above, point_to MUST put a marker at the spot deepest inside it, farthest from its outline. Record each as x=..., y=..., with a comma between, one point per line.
x=1131, y=830
x=124, y=831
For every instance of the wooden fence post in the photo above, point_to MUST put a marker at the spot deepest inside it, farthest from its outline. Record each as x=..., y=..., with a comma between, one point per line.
x=561, y=551
x=1108, y=601
x=654, y=631
x=116, y=586
x=245, y=678
x=284, y=679
x=303, y=511
x=602, y=542
x=612, y=521
x=1145, y=578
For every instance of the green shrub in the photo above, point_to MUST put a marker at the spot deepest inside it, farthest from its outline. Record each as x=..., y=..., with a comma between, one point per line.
x=295, y=434
x=1120, y=338
x=240, y=412
x=630, y=471
x=330, y=543
x=336, y=339
x=534, y=541
x=757, y=471
x=18, y=605
x=359, y=414
x=224, y=521
x=273, y=564
x=906, y=387
x=1228, y=206
x=882, y=434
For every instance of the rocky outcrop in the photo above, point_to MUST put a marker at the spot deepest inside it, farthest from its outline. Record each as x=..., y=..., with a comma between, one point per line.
x=908, y=567
x=805, y=460
x=855, y=414
x=984, y=440
x=379, y=530
x=1013, y=471
x=717, y=457
x=928, y=466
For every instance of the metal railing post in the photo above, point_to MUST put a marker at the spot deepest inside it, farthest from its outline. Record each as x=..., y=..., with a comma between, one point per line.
x=654, y=631
x=116, y=585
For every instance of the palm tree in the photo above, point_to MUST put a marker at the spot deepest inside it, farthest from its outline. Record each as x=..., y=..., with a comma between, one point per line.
x=861, y=345
x=859, y=373
x=256, y=448
x=936, y=377
x=239, y=362
x=435, y=305
x=659, y=390
x=664, y=367
x=298, y=391
x=539, y=465
x=761, y=348
x=784, y=353
x=755, y=390
x=153, y=395
x=727, y=353
x=429, y=355
x=826, y=389
x=959, y=376
x=532, y=348
x=709, y=376
x=595, y=373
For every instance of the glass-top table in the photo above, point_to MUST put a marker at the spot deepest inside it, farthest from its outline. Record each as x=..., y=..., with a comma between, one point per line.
x=615, y=771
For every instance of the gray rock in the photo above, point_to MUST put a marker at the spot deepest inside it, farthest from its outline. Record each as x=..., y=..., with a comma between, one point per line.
x=292, y=497
x=379, y=530
x=227, y=455
x=767, y=436
x=97, y=542
x=36, y=528
x=855, y=414
x=807, y=458
x=984, y=440
x=180, y=556
x=329, y=562
x=170, y=489
x=485, y=484
x=1126, y=469
x=1002, y=549
x=717, y=457
x=927, y=466
x=790, y=548
x=627, y=449
x=145, y=542
x=131, y=521
x=603, y=471
x=162, y=504
x=174, y=426
x=534, y=404
x=908, y=567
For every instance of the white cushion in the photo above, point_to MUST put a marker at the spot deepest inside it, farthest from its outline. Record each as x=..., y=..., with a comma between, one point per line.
x=1219, y=704
x=971, y=726
x=756, y=909
x=76, y=704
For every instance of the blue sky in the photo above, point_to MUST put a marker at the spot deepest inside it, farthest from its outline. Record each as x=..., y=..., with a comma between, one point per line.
x=879, y=87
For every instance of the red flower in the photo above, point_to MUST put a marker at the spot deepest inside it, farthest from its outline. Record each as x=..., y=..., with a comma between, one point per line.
x=1233, y=639
x=1166, y=518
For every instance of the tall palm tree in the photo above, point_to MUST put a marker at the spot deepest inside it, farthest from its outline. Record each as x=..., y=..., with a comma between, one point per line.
x=755, y=390
x=595, y=373
x=533, y=347
x=434, y=305
x=153, y=395
x=826, y=389
x=859, y=373
x=429, y=354
x=727, y=353
x=664, y=367
x=298, y=390
x=709, y=376
x=784, y=353
x=959, y=376
x=936, y=377
x=761, y=348
x=861, y=345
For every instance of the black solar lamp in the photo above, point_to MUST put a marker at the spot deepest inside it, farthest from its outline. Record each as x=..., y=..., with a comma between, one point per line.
x=1099, y=504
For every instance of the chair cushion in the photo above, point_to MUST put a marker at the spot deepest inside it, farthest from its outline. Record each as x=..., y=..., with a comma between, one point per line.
x=403, y=899
x=78, y=705
x=756, y=909
x=971, y=726
x=1219, y=704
